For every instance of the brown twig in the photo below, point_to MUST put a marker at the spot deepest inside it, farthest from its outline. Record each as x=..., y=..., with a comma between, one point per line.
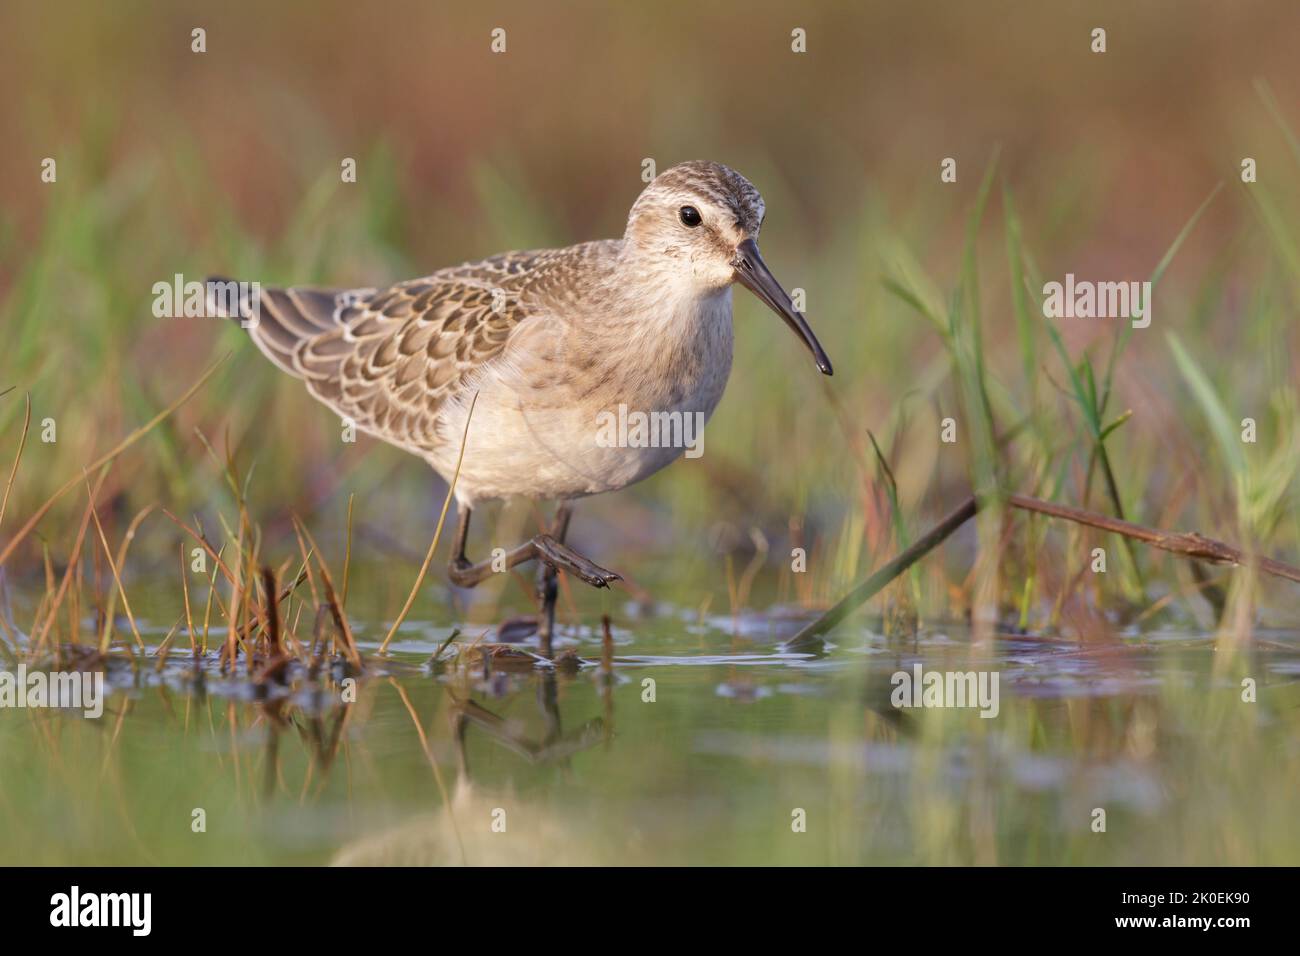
x=1184, y=544
x=809, y=639
x=272, y=611
x=1187, y=544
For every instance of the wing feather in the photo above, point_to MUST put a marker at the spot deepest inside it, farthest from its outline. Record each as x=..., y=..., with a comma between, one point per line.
x=389, y=358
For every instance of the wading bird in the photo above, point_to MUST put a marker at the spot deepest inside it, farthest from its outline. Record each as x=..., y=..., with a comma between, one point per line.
x=541, y=343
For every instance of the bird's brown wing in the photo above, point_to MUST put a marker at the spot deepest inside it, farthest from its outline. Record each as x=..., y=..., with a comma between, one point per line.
x=387, y=359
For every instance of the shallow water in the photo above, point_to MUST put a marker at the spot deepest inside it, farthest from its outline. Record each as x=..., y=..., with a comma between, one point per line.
x=529, y=764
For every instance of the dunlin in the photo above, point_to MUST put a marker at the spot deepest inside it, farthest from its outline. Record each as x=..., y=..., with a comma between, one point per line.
x=547, y=340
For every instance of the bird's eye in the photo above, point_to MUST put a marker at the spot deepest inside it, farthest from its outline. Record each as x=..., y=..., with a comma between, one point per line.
x=690, y=216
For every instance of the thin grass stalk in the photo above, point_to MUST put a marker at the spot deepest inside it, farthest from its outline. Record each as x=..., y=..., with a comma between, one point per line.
x=437, y=533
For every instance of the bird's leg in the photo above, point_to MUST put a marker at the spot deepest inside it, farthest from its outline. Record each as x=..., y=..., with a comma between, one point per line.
x=458, y=559
x=543, y=547
x=548, y=584
x=549, y=702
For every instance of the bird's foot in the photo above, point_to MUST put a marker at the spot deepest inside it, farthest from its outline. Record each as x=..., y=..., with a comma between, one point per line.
x=563, y=558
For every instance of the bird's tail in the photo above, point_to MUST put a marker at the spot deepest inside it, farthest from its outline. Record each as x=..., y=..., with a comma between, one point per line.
x=233, y=300
x=278, y=320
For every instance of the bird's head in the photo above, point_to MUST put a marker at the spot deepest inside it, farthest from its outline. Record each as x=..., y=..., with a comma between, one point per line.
x=698, y=224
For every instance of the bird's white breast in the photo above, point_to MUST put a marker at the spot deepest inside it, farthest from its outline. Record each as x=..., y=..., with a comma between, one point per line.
x=541, y=424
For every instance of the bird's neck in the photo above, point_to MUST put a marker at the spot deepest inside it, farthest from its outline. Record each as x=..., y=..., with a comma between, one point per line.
x=668, y=346
x=660, y=296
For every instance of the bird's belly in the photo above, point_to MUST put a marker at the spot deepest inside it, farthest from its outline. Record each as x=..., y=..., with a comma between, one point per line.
x=572, y=449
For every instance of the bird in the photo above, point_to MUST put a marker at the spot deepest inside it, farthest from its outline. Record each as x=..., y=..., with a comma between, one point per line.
x=539, y=344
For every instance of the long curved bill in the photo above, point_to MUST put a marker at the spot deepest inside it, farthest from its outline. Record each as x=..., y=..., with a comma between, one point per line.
x=753, y=274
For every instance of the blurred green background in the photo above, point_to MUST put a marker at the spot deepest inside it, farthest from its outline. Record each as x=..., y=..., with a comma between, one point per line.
x=925, y=295
x=228, y=161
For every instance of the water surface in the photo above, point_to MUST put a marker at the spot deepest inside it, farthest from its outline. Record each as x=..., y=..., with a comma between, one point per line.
x=705, y=744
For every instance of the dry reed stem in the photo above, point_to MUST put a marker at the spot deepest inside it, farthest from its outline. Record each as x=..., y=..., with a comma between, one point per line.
x=1184, y=544
x=185, y=590
x=106, y=638
x=108, y=456
x=437, y=533
x=74, y=562
x=331, y=598
x=13, y=472
x=347, y=553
